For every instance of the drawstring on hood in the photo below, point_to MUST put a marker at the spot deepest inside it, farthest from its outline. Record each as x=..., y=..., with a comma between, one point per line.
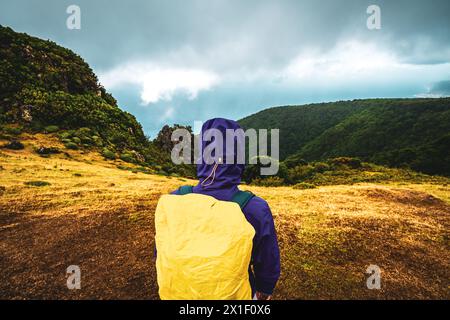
x=213, y=173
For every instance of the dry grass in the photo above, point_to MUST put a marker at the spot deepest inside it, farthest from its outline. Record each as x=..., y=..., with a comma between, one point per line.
x=101, y=218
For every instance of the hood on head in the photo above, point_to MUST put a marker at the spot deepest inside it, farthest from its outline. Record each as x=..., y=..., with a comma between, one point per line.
x=226, y=174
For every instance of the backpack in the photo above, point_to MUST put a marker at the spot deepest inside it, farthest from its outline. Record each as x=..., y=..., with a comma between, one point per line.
x=204, y=247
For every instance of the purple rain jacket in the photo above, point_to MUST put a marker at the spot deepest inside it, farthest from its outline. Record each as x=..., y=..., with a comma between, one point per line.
x=264, y=269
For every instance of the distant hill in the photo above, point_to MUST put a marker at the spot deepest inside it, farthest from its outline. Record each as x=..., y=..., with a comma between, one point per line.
x=412, y=133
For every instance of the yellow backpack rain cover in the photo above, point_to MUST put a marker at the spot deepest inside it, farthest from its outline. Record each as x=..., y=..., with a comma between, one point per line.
x=204, y=247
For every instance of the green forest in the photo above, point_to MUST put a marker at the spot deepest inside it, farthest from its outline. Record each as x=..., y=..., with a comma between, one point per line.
x=401, y=133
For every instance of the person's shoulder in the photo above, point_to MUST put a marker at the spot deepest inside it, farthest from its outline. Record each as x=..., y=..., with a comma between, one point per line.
x=258, y=201
x=258, y=207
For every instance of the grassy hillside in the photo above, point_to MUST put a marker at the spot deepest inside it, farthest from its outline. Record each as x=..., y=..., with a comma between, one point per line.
x=301, y=124
x=43, y=84
x=83, y=210
x=412, y=133
x=45, y=88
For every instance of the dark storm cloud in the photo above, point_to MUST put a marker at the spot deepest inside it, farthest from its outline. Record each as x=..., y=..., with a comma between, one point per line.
x=441, y=88
x=255, y=33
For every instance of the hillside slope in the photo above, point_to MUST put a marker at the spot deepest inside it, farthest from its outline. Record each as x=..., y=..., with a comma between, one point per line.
x=44, y=84
x=394, y=132
x=301, y=124
x=45, y=88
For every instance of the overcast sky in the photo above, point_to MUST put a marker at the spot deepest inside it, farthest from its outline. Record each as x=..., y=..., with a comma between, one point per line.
x=177, y=61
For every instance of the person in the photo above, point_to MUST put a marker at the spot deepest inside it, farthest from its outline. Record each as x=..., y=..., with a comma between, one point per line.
x=220, y=181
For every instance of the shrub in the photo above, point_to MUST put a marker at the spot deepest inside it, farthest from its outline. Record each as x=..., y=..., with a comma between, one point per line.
x=269, y=182
x=76, y=140
x=97, y=141
x=12, y=130
x=253, y=171
x=304, y=185
x=294, y=161
x=108, y=154
x=71, y=145
x=15, y=145
x=353, y=163
x=66, y=134
x=86, y=140
x=37, y=183
x=83, y=132
x=47, y=150
x=51, y=129
x=145, y=170
x=127, y=157
x=301, y=172
x=321, y=167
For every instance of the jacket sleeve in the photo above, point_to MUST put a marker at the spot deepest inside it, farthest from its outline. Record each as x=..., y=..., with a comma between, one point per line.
x=266, y=254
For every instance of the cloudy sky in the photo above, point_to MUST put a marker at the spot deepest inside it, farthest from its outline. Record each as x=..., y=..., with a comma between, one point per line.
x=178, y=61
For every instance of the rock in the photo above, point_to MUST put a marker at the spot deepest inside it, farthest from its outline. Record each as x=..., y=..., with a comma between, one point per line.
x=139, y=157
x=14, y=145
x=47, y=150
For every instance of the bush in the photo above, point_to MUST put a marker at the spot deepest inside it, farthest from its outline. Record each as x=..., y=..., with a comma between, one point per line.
x=353, y=163
x=15, y=145
x=12, y=130
x=83, y=132
x=127, y=157
x=51, y=129
x=301, y=172
x=108, y=154
x=321, y=167
x=37, y=183
x=304, y=186
x=71, y=145
x=97, y=141
x=66, y=134
x=47, y=150
x=269, y=182
x=76, y=140
x=86, y=140
x=253, y=171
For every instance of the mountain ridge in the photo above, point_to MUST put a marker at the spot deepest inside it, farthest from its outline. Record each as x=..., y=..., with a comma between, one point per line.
x=408, y=132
